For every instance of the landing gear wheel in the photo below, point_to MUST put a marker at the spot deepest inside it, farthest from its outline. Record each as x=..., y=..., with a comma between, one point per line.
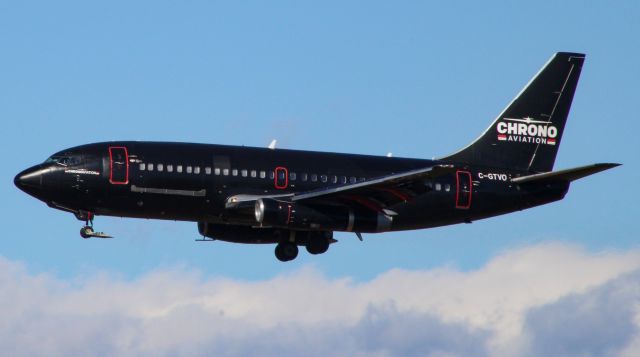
x=86, y=232
x=286, y=251
x=317, y=244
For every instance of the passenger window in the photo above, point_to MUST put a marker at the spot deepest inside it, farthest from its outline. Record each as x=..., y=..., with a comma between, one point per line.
x=362, y=179
x=263, y=174
x=189, y=169
x=160, y=167
x=323, y=178
x=438, y=186
x=429, y=184
x=352, y=179
x=253, y=173
x=234, y=172
x=207, y=170
x=179, y=168
x=225, y=172
x=303, y=176
x=447, y=187
x=216, y=171
x=314, y=177
x=196, y=170
x=150, y=167
x=292, y=176
x=343, y=179
x=271, y=175
x=244, y=173
x=334, y=179
x=143, y=166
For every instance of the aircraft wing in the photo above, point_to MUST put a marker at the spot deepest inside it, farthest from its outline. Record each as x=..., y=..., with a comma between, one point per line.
x=376, y=194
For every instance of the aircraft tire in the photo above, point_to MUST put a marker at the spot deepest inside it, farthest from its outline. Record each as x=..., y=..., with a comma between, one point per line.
x=286, y=251
x=85, y=232
x=317, y=245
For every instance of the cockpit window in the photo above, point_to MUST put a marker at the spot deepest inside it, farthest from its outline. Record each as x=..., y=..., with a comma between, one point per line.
x=64, y=160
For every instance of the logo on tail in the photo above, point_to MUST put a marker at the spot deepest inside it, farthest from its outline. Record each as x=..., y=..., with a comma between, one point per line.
x=527, y=130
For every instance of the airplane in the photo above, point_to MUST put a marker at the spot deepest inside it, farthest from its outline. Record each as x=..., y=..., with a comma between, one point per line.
x=294, y=198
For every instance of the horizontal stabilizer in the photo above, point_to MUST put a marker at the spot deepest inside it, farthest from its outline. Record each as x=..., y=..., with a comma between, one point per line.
x=566, y=175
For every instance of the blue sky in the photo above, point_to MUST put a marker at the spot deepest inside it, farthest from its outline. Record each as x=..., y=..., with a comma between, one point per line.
x=419, y=79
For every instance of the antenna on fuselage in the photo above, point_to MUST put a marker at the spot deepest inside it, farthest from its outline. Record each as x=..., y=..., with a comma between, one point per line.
x=272, y=145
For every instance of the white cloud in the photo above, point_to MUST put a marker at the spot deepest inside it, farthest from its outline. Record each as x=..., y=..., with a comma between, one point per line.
x=549, y=299
x=600, y=323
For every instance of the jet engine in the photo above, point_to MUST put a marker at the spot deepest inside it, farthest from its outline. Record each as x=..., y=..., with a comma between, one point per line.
x=270, y=212
x=275, y=213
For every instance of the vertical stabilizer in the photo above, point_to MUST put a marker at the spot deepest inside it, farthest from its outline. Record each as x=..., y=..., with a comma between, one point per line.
x=527, y=134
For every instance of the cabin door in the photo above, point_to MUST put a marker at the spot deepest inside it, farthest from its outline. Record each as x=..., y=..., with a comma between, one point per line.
x=118, y=165
x=464, y=189
x=281, y=178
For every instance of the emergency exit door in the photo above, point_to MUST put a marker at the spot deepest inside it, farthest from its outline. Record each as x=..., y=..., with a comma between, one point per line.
x=464, y=189
x=281, y=178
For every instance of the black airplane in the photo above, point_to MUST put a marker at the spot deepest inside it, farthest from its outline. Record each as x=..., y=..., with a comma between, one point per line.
x=299, y=198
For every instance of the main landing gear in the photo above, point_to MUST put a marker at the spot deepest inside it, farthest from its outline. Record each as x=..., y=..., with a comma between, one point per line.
x=286, y=251
x=317, y=245
x=315, y=242
x=87, y=231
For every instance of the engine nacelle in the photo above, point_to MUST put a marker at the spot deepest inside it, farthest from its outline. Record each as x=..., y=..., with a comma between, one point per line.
x=365, y=221
x=270, y=212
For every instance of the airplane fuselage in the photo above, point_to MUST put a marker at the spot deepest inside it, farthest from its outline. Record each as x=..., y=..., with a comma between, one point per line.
x=192, y=182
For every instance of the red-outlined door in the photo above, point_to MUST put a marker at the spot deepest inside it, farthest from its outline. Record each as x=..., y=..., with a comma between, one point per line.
x=464, y=189
x=281, y=178
x=118, y=165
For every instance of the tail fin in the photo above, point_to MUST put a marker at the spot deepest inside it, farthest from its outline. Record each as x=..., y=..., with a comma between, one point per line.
x=527, y=134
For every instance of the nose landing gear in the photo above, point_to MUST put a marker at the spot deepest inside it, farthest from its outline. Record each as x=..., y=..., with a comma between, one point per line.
x=87, y=231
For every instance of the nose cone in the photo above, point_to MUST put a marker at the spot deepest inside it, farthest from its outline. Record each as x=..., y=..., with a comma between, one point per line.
x=29, y=179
